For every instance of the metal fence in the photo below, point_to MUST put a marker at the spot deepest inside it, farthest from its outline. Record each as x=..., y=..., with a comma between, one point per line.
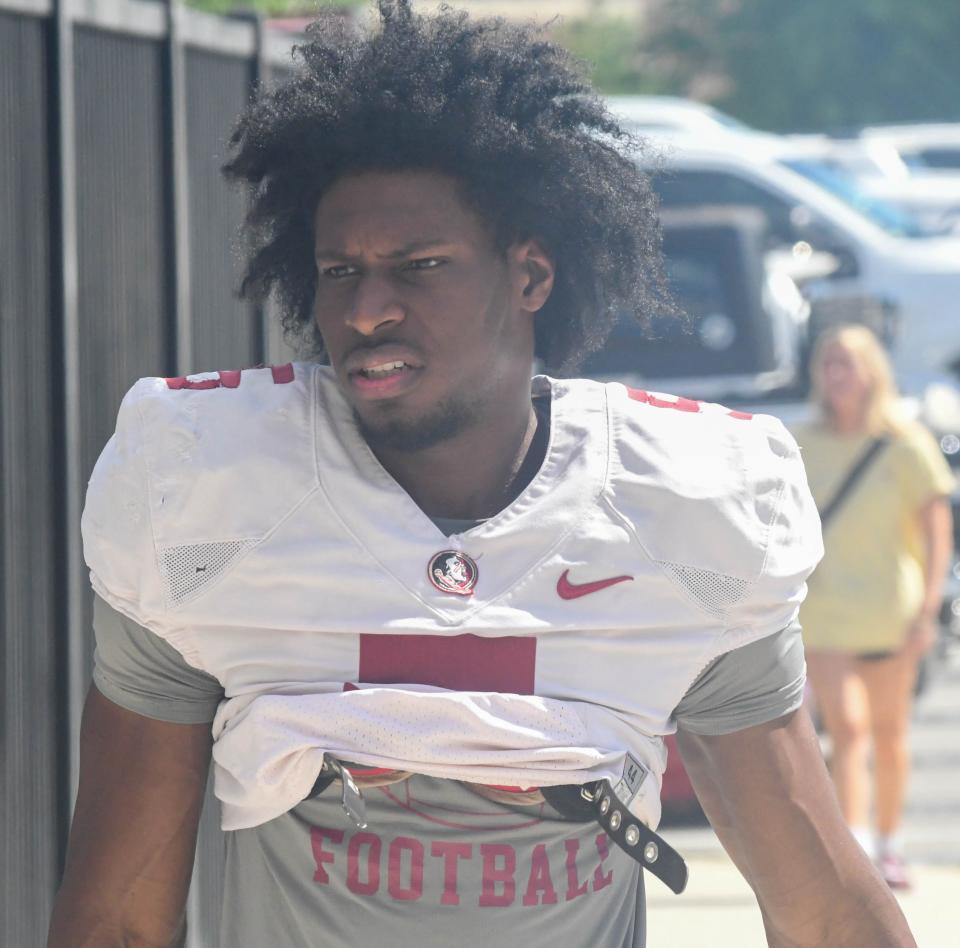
x=118, y=258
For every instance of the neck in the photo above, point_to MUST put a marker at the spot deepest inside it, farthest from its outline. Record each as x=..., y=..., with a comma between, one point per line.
x=476, y=473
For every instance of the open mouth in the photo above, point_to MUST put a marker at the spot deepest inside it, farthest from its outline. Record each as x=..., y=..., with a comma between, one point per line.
x=383, y=379
x=384, y=370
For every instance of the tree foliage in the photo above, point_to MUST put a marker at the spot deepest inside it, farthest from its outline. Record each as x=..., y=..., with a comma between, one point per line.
x=813, y=64
x=610, y=47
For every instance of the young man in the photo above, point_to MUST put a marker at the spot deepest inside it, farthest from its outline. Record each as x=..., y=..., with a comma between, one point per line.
x=423, y=604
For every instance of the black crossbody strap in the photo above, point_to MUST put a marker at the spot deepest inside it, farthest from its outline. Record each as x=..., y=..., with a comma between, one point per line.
x=852, y=479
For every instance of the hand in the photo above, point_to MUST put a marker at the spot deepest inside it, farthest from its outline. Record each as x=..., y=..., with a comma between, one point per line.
x=921, y=635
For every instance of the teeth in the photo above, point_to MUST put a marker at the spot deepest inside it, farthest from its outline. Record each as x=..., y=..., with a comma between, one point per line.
x=384, y=369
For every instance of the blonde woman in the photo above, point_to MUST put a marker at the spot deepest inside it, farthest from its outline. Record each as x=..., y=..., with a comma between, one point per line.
x=871, y=611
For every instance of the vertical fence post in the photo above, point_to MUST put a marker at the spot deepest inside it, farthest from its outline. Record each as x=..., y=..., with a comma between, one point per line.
x=67, y=307
x=175, y=82
x=178, y=257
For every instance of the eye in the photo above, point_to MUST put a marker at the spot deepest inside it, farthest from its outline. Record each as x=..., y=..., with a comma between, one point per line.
x=339, y=271
x=425, y=263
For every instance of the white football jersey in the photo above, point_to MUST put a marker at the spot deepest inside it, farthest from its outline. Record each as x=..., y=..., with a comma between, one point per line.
x=242, y=518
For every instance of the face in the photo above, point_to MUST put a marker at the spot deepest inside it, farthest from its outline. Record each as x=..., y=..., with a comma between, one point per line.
x=456, y=570
x=428, y=326
x=843, y=380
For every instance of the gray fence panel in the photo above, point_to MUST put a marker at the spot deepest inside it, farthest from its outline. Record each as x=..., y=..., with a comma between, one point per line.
x=116, y=98
x=122, y=227
x=226, y=334
x=280, y=348
x=226, y=330
x=29, y=706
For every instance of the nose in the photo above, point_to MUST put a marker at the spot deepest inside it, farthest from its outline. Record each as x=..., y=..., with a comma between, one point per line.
x=375, y=306
x=836, y=372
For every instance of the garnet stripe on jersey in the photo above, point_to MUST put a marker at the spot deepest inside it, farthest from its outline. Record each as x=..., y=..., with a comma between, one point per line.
x=468, y=662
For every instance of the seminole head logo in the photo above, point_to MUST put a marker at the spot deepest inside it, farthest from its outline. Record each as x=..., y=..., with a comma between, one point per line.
x=453, y=572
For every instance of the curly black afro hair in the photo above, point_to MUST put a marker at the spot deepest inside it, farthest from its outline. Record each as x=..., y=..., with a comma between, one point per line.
x=506, y=113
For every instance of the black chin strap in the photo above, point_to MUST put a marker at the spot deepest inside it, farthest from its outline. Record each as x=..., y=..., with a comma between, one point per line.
x=598, y=801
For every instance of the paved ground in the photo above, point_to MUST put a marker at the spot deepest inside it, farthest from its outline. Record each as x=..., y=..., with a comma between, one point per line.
x=718, y=909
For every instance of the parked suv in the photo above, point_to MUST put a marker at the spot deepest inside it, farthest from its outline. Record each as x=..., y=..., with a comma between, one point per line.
x=745, y=331
x=916, y=275
x=924, y=148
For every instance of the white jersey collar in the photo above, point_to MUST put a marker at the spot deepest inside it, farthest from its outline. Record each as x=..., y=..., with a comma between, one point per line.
x=395, y=532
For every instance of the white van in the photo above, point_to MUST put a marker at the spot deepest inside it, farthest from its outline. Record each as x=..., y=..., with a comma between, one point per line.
x=642, y=114
x=878, y=257
x=926, y=149
x=880, y=176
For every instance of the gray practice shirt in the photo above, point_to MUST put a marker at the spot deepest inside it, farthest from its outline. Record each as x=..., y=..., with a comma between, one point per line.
x=438, y=865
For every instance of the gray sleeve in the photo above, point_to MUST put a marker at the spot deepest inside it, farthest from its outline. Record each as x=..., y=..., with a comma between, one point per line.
x=137, y=670
x=751, y=685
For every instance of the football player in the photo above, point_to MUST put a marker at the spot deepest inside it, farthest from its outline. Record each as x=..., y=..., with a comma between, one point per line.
x=432, y=621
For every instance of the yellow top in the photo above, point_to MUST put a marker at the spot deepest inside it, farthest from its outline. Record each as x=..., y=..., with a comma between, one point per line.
x=870, y=584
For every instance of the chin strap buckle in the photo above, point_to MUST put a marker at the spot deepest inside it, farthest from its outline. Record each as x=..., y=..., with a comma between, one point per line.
x=636, y=839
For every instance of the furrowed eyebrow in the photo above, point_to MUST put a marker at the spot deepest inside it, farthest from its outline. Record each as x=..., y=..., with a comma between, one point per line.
x=416, y=246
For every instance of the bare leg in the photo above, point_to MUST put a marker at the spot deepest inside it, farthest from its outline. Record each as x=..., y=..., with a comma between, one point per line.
x=889, y=683
x=842, y=701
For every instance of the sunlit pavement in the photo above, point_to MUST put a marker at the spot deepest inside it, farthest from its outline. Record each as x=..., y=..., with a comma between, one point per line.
x=718, y=909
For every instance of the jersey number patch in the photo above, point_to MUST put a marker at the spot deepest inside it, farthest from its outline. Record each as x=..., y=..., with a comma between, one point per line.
x=677, y=404
x=228, y=378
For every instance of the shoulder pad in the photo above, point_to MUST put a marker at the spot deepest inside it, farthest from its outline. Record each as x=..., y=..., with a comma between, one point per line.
x=719, y=499
x=213, y=461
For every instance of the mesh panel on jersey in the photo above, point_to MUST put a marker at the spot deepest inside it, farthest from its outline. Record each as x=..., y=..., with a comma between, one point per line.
x=716, y=592
x=188, y=568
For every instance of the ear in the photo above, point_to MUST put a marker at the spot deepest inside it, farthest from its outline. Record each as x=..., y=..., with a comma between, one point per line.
x=533, y=271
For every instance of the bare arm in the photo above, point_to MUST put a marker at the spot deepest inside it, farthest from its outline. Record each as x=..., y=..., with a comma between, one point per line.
x=936, y=530
x=134, y=831
x=766, y=791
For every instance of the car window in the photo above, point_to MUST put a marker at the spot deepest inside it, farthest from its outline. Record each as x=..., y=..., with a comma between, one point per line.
x=940, y=157
x=706, y=283
x=893, y=219
x=679, y=188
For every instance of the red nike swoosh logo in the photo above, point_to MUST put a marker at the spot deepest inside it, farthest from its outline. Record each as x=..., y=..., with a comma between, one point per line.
x=568, y=590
